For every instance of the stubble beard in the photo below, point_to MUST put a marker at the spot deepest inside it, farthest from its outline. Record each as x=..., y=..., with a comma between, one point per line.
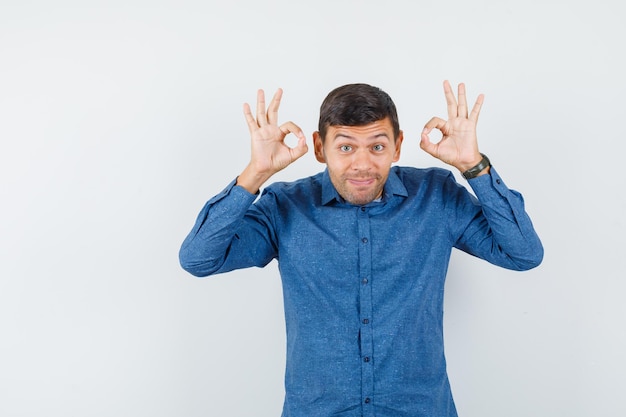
x=351, y=193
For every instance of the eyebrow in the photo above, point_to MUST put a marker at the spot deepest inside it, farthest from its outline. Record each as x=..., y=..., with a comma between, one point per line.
x=373, y=137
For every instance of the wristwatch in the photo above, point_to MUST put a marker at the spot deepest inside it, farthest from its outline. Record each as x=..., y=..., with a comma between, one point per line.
x=474, y=171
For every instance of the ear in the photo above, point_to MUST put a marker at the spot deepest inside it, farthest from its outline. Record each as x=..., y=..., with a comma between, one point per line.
x=319, y=147
x=399, y=139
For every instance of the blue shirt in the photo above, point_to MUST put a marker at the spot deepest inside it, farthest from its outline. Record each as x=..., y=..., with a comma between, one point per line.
x=363, y=286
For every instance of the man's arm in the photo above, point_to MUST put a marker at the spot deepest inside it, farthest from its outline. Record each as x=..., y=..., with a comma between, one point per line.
x=225, y=237
x=230, y=233
x=499, y=229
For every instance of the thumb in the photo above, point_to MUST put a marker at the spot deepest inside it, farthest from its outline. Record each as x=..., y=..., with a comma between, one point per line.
x=426, y=144
x=300, y=149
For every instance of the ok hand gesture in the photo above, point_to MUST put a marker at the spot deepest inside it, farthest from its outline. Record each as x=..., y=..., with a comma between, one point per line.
x=458, y=146
x=269, y=153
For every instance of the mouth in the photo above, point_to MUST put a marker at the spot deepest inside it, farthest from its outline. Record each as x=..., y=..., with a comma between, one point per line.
x=361, y=182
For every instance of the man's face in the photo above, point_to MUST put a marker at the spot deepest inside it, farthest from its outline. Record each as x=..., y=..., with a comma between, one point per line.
x=359, y=158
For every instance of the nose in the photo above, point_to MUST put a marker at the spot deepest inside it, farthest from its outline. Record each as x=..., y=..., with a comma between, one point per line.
x=362, y=160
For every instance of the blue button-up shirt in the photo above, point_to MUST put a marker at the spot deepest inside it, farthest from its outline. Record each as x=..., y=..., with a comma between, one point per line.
x=363, y=286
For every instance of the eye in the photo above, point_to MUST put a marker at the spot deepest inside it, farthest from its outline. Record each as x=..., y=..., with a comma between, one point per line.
x=378, y=147
x=345, y=148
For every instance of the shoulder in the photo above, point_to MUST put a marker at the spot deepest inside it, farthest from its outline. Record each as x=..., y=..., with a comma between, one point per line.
x=301, y=189
x=414, y=178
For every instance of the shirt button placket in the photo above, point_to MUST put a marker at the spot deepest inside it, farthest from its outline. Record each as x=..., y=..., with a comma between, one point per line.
x=365, y=312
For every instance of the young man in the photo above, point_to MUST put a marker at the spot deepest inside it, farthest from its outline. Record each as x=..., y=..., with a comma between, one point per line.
x=363, y=248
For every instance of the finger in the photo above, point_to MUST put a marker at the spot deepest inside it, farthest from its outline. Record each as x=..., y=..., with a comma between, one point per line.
x=434, y=123
x=301, y=147
x=450, y=100
x=462, y=107
x=291, y=127
x=426, y=144
x=252, y=124
x=477, y=106
x=261, y=117
x=272, y=111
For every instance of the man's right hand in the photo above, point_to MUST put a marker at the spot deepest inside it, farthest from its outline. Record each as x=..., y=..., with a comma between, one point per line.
x=270, y=153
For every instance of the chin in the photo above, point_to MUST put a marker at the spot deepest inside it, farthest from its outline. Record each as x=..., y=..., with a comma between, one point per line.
x=360, y=199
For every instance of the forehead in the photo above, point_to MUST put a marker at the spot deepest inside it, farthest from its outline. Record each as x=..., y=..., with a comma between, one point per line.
x=380, y=128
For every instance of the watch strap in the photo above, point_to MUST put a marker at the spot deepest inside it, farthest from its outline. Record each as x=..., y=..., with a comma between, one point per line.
x=474, y=171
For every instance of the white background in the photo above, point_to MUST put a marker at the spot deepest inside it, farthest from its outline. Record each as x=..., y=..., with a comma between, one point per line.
x=119, y=119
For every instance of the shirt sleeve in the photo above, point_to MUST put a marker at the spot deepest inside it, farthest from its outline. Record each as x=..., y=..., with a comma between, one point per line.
x=500, y=231
x=228, y=234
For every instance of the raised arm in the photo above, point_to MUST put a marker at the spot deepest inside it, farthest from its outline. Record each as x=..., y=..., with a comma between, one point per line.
x=270, y=153
x=229, y=232
x=504, y=233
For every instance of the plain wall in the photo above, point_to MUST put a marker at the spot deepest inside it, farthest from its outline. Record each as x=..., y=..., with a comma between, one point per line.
x=119, y=119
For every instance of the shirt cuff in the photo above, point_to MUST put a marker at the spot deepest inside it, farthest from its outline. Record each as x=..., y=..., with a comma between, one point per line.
x=485, y=186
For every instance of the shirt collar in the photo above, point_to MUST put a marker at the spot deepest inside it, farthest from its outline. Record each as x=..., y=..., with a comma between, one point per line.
x=393, y=186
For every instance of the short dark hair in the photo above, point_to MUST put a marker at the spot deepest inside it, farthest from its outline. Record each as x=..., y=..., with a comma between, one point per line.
x=357, y=105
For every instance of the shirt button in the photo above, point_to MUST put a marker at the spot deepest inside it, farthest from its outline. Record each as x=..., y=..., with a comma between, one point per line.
x=365, y=281
x=364, y=240
x=362, y=208
x=498, y=181
x=367, y=400
x=366, y=359
x=366, y=321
